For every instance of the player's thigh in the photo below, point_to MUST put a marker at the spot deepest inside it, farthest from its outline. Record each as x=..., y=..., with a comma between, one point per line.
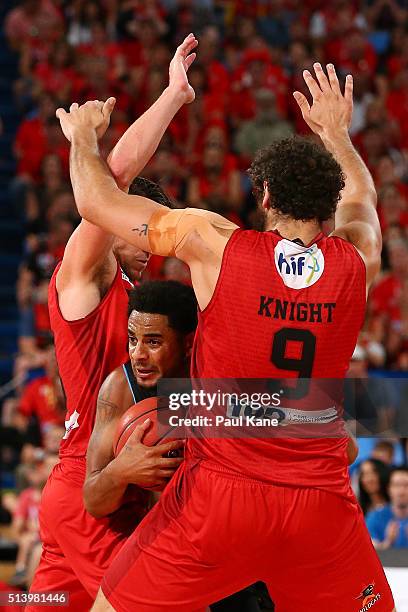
x=327, y=561
x=194, y=548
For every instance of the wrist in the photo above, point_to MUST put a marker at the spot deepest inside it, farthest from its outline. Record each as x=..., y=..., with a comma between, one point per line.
x=333, y=138
x=83, y=136
x=114, y=473
x=176, y=95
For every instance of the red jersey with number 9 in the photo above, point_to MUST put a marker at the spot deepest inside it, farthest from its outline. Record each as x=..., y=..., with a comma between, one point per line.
x=281, y=310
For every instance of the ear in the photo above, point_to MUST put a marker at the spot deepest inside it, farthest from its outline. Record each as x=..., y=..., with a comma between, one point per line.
x=266, y=204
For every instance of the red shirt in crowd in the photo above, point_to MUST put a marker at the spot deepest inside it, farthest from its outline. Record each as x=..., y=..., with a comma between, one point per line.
x=39, y=399
x=384, y=296
x=28, y=505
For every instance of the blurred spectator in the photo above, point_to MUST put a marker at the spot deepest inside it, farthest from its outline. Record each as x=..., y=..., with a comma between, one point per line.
x=217, y=185
x=388, y=526
x=373, y=485
x=384, y=451
x=369, y=401
x=264, y=128
x=33, y=130
x=43, y=398
x=35, y=23
x=25, y=517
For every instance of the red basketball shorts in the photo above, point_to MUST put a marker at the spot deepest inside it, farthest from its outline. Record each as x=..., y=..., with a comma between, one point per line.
x=77, y=549
x=212, y=534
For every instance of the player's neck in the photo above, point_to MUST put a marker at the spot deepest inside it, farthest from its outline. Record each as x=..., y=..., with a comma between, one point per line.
x=292, y=230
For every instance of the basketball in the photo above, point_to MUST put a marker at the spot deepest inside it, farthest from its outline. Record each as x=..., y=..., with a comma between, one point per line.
x=136, y=415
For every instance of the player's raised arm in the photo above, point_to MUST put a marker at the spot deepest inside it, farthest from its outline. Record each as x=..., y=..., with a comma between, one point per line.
x=193, y=236
x=140, y=141
x=89, y=249
x=329, y=116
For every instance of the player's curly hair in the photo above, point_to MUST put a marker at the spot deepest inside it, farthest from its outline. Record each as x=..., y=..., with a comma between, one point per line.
x=170, y=298
x=304, y=180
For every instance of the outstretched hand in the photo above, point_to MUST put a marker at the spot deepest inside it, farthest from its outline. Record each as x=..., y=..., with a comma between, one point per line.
x=179, y=65
x=331, y=110
x=93, y=115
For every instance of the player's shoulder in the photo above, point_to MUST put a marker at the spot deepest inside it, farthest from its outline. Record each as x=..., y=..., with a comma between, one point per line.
x=115, y=388
x=342, y=249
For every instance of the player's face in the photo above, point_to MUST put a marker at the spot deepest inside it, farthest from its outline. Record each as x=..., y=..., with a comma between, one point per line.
x=155, y=349
x=132, y=260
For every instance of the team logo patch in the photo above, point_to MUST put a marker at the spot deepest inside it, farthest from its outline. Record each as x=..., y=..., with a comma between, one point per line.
x=71, y=424
x=368, y=597
x=298, y=266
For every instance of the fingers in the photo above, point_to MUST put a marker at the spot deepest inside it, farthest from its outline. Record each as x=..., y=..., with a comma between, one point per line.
x=302, y=102
x=163, y=449
x=189, y=60
x=312, y=85
x=73, y=106
x=188, y=44
x=60, y=113
x=321, y=77
x=166, y=473
x=348, y=90
x=334, y=81
x=139, y=431
x=166, y=463
x=108, y=107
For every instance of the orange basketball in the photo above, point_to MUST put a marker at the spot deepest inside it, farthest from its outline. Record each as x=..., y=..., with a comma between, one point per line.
x=136, y=415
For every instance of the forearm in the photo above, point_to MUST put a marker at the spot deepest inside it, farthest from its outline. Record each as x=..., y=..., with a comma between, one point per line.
x=137, y=145
x=359, y=185
x=91, y=179
x=103, y=492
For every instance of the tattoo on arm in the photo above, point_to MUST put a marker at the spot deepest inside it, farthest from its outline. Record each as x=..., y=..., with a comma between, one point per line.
x=106, y=411
x=142, y=230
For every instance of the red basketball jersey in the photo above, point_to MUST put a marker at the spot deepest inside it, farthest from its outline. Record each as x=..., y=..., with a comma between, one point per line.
x=87, y=350
x=281, y=310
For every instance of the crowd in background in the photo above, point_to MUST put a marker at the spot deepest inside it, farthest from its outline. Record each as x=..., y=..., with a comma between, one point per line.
x=250, y=59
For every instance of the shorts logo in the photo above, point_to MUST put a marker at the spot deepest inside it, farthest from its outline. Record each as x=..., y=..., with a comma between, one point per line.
x=368, y=597
x=71, y=424
x=298, y=266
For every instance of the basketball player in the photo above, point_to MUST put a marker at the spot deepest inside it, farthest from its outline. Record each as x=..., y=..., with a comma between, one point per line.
x=284, y=302
x=162, y=321
x=88, y=311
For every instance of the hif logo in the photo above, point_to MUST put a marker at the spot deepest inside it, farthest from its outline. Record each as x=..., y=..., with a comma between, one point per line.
x=369, y=598
x=298, y=266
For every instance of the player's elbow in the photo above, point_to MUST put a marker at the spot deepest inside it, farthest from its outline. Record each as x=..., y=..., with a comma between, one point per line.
x=91, y=502
x=120, y=171
x=85, y=208
x=352, y=451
